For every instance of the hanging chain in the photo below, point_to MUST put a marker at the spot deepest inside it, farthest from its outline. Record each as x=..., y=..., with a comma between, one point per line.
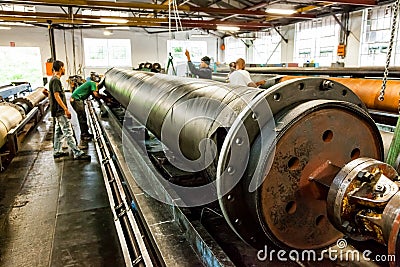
x=389, y=54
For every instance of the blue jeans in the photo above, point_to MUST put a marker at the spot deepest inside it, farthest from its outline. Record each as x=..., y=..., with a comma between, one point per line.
x=63, y=129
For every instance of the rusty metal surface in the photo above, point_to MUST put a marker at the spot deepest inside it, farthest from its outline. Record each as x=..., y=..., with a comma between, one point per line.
x=394, y=241
x=368, y=91
x=391, y=220
x=360, y=72
x=310, y=135
x=354, y=195
x=242, y=216
x=322, y=177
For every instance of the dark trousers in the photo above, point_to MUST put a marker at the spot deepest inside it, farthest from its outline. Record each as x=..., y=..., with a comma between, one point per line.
x=79, y=107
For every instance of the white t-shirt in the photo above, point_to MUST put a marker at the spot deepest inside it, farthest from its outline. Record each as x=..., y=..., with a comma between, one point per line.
x=240, y=77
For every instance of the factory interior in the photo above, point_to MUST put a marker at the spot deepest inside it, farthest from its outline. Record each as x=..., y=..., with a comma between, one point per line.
x=199, y=133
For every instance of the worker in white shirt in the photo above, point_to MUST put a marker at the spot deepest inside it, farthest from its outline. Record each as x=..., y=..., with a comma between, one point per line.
x=242, y=76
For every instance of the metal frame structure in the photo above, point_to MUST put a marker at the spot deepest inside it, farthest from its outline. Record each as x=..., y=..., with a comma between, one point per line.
x=248, y=15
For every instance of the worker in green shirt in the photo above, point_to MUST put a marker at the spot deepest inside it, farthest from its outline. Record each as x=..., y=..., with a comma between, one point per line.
x=77, y=100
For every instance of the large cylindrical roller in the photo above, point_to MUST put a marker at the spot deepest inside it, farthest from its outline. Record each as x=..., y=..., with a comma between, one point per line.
x=30, y=101
x=317, y=120
x=171, y=107
x=10, y=116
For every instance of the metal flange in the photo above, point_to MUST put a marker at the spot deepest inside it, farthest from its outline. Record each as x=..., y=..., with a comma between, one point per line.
x=250, y=214
x=18, y=108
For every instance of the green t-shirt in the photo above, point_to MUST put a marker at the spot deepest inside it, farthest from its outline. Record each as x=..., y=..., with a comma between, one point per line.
x=84, y=91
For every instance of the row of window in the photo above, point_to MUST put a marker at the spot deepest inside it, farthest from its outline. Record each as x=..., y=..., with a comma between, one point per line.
x=318, y=40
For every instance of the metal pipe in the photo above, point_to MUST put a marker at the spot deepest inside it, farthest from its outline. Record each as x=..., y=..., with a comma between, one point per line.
x=52, y=41
x=30, y=101
x=368, y=91
x=372, y=72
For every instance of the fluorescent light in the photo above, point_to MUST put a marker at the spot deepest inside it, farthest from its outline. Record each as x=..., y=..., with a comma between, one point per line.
x=108, y=33
x=280, y=11
x=199, y=35
x=5, y=28
x=228, y=28
x=16, y=24
x=118, y=28
x=113, y=20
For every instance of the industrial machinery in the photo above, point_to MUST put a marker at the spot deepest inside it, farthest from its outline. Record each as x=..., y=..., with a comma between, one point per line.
x=16, y=119
x=10, y=90
x=368, y=91
x=364, y=82
x=299, y=164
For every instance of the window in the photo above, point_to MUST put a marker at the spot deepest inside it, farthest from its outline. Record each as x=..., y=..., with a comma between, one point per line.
x=267, y=48
x=21, y=64
x=107, y=52
x=316, y=41
x=177, y=48
x=197, y=49
x=376, y=36
x=234, y=49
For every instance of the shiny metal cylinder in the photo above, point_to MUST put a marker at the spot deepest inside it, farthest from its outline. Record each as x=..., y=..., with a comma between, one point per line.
x=10, y=116
x=30, y=101
x=164, y=104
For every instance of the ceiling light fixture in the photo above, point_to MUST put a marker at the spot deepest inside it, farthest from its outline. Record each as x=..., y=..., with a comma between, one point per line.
x=108, y=32
x=16, y=23
x=228, y=28
x=199, y=35
x=280, y=11
x=113, y=20
x=118, y=28
x=5, y=28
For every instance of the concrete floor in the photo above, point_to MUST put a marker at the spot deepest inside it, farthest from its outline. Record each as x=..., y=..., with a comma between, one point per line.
x=55, y=212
